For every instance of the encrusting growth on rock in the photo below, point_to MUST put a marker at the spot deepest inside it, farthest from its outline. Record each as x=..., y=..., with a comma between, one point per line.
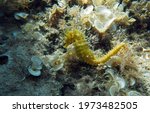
x=83, y=51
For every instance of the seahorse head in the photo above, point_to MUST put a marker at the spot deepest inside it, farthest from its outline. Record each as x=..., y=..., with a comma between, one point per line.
x=71, y=36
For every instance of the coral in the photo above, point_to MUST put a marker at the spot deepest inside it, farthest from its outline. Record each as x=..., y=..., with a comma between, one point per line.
x=83, y=51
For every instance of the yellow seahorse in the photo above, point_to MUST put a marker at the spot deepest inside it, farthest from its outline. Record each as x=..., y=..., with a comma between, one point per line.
x=83, y=51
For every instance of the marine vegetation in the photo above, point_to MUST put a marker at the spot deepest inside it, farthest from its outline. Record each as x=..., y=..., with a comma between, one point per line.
x=83, y=51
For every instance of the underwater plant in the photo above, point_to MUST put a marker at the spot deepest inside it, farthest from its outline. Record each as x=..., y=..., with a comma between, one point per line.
x=83, y=51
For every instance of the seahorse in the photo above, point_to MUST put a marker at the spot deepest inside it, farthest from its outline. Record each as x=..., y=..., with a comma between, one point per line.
x=83, y=51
